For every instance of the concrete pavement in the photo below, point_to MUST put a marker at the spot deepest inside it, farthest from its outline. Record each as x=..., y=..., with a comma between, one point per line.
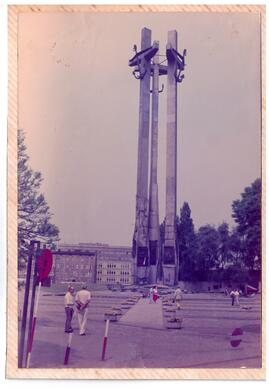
x=145, y=315
x=203, y=342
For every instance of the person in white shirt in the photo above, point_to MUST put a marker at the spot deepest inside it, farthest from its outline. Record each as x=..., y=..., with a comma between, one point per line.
x=236, y=296
x=69, y=303
x=82, y=301
x=178, y=297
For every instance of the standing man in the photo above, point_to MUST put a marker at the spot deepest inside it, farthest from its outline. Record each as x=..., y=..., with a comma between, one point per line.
x=232, y=295
x=178, y=297
x=236, y=296
x=82, y=300
x=69, y=303
x=151, y=292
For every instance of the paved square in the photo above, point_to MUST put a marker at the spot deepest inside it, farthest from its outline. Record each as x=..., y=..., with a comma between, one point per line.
x=140, y=338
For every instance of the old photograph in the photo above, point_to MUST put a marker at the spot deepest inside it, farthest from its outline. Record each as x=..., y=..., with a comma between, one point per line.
x=138, y=158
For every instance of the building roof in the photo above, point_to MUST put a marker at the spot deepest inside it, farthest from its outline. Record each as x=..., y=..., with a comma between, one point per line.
x=93, y=246
x=74, y=252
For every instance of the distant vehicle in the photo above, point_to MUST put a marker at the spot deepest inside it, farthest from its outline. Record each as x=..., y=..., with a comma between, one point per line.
x=250, y=290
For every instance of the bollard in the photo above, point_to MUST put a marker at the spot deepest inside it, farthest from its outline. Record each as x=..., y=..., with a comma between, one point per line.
x=31, y=339
x=68, y=349
x=105, y=340
x=33, y=298
x=25, y=305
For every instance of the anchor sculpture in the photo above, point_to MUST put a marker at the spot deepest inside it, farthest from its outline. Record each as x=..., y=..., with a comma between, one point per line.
x=141, y=58
x=174, y=56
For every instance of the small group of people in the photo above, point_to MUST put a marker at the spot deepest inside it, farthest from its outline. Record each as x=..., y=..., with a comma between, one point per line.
x=178, y=296
x=153, y=294
x=80, y=302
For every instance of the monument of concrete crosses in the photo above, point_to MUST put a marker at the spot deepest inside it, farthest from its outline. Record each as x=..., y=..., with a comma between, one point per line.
x=146, y=241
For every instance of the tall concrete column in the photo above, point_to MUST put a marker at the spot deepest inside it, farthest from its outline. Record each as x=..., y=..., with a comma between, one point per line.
x=146, y=233
x=141, y=238
x=170, y=251
x=153, y=188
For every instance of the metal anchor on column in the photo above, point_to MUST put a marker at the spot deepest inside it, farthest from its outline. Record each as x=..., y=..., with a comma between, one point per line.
x=179, y=59
x=141, y=58
x=160, y=90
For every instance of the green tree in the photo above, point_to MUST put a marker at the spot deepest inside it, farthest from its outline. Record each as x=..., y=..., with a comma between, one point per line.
x=187, y=243
x=247, y=215
x=207, y=252
x=236, y=247
x=236, y=273
x=224, y=253
x=33, y=211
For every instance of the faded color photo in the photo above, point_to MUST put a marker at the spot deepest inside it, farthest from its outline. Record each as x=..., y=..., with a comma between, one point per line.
x=139, y=190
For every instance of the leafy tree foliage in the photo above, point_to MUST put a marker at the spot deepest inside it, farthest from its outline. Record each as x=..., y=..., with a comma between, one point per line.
x=223, y=253
x=33, y=211
x=236, y=247
x=207, y=253
x=236, y=273
x=247, y=215
x=186, y=243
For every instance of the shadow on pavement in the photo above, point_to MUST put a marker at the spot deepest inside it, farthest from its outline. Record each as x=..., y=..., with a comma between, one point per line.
x=49, y=355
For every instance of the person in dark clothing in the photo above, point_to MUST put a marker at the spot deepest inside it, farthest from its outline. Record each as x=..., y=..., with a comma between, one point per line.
x=232, y=295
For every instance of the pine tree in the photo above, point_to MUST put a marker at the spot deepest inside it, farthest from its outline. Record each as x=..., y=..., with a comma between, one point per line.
x=187, y=243
x=33, y=211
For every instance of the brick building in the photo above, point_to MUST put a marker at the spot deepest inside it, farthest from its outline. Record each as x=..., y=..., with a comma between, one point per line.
x=74, y=265
x=93, y=263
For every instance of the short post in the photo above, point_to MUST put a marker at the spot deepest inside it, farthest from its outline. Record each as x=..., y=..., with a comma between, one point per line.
x=68, y=349
x=25, y=304
x=33, y=296
x=105, y=339
x=33, y=328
